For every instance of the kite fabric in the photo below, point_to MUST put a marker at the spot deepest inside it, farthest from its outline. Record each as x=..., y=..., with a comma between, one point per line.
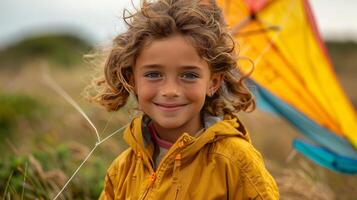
x=294, y=76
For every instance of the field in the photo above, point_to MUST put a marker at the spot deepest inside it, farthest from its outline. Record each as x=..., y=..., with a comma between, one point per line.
x=43, y=139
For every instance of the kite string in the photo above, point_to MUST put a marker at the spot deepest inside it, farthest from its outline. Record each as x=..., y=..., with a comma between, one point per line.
x=75, y=172
x=112, y=134
x=85, y=160
x=62, y=93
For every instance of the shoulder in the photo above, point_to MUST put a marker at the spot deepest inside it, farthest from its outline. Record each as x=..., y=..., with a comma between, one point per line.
x=235, y=149
x=119, y=162
x=236, y=146
x=246, y=162
x=240, y=152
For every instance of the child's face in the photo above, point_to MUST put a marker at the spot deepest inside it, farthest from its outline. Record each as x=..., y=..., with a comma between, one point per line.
x=171, y=82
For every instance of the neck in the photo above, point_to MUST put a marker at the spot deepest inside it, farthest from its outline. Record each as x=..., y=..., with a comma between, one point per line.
x=172, y=134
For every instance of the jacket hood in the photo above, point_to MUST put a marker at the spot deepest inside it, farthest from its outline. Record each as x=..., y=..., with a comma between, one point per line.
x=139, y=139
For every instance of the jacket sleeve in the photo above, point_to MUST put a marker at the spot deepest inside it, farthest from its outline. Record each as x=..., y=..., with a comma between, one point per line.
x=257, y=180
x=108, y=191
x=113, y=176
x=111, y=180
x=247, y=177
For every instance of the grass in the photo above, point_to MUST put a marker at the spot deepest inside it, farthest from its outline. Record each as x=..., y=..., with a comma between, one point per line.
x=57, y=141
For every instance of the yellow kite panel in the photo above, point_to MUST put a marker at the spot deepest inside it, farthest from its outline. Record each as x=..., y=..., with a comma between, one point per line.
x=290, y=61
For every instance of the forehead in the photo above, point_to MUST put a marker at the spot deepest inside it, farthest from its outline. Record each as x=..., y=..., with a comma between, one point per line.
x=173, y=51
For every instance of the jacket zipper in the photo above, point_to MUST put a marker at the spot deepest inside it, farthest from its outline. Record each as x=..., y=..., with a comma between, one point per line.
x=152, y=181
x=153, y=175
x=176, y=195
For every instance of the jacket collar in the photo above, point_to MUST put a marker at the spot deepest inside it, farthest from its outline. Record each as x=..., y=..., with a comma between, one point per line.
x=216, y=128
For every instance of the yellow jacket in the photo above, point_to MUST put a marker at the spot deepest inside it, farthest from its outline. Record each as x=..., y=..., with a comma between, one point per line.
x=219, y=164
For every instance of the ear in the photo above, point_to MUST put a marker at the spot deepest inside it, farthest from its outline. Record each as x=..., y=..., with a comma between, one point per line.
x=215, y=84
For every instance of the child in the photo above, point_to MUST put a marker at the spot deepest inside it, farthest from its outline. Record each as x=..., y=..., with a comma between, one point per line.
x=178, y=59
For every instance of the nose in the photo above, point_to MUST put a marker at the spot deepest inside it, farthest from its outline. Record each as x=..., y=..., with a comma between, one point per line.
x=170, y=88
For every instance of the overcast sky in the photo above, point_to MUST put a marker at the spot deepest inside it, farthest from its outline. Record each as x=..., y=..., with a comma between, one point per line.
x=99, y=20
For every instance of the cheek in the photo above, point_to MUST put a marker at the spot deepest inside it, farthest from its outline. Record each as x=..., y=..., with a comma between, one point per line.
x=196, y=93
x=145, y=91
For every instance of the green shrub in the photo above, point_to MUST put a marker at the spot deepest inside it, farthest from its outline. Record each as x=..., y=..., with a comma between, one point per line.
x=59, y=49
x=17, y=107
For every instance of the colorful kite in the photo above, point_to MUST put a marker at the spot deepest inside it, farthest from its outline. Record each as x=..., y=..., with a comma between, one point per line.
x=294, y=77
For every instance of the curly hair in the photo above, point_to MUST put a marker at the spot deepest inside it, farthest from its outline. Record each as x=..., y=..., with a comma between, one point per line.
x=203, y=24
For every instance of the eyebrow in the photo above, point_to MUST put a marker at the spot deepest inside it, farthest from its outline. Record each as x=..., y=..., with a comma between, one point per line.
x=186, y=67
x=151, y=66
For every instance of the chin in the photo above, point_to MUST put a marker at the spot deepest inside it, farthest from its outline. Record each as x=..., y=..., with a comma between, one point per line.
x=169, y=123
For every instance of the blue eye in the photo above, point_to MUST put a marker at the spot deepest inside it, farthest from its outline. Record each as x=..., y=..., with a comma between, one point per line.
x=153, y=75
x=189, y=76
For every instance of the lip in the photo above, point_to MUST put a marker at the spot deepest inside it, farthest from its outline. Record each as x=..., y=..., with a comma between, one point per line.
x=169, y=106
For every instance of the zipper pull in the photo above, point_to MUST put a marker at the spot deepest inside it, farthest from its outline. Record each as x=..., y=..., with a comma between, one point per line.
x=177, y=165
x=151, y=183
x=152, y=179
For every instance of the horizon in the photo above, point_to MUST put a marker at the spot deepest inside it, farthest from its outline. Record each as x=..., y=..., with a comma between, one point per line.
x=99, y=22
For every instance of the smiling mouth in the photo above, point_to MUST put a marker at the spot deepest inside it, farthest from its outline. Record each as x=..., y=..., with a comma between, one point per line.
x=170, y=107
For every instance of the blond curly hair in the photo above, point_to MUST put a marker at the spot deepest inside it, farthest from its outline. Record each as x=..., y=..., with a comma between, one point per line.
x=203, y=24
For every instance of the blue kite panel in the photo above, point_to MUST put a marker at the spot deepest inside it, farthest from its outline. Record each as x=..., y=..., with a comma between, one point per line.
x=326, y=158
x=312, y=130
